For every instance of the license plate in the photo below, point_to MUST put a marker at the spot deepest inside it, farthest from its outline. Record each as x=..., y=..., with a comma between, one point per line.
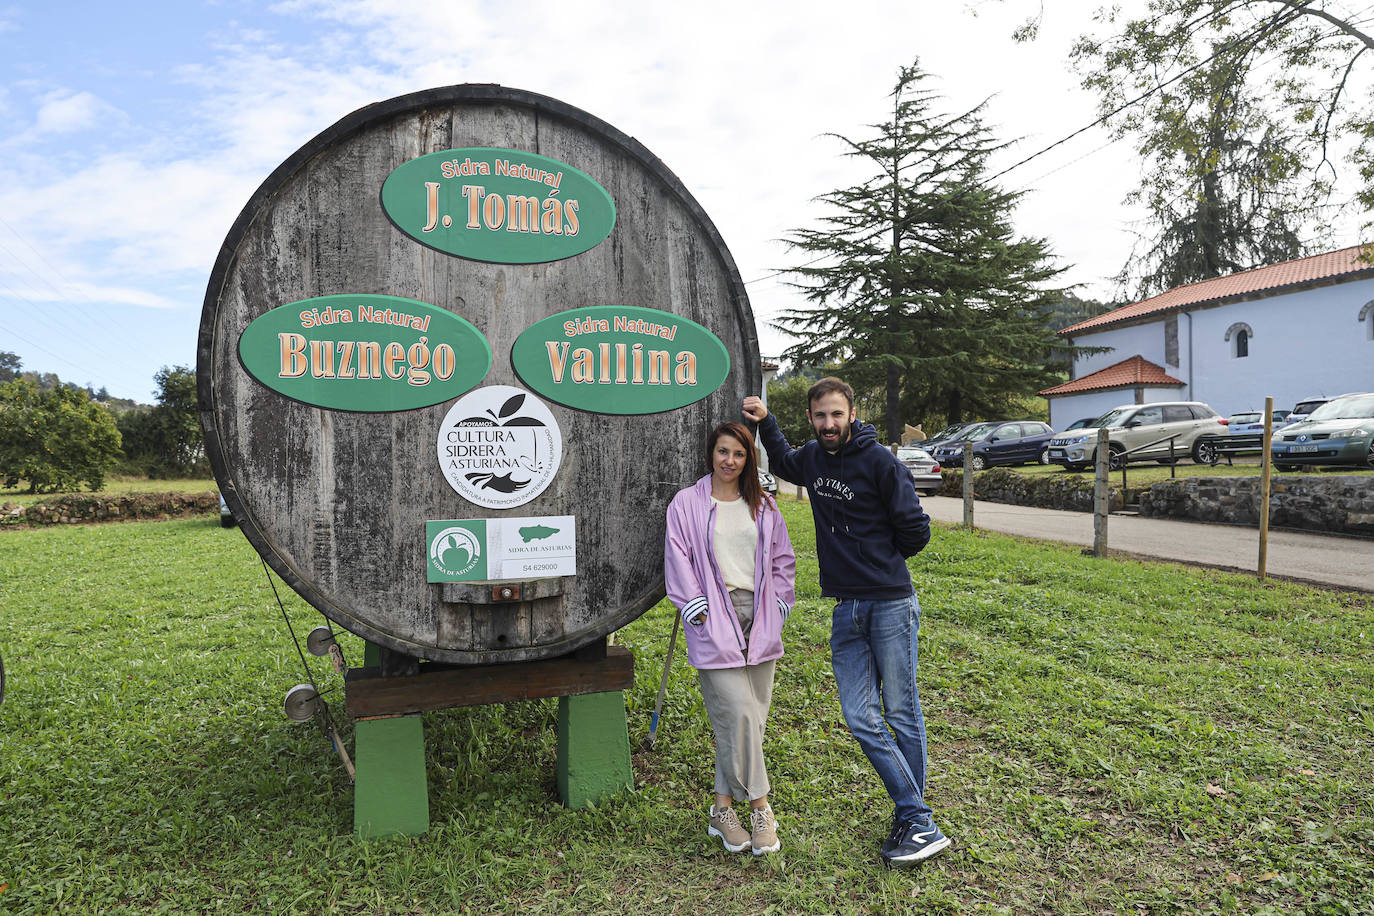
x=1056, y=453
x=1298, y=449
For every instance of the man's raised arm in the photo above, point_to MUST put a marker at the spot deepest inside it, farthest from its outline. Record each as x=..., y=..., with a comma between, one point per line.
x=782, y=457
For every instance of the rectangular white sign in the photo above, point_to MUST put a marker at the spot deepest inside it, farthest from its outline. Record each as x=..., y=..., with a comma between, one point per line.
x=489, y=549
x=531, y=548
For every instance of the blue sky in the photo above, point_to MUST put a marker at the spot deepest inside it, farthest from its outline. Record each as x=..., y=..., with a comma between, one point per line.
x=104, y=116
x=131, y=135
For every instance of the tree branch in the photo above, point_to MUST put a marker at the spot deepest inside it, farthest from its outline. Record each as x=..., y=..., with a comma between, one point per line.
x=1305, y=8
x=1331, y=112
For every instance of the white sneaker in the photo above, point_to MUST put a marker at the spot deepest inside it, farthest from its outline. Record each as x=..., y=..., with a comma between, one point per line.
x=765, y=831
x=724, y=823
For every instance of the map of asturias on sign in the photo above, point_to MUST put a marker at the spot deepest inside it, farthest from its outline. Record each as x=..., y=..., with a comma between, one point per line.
x=496, y=549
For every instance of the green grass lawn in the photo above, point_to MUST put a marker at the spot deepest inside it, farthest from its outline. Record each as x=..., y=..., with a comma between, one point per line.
x=1106, y=736
x=116, y=485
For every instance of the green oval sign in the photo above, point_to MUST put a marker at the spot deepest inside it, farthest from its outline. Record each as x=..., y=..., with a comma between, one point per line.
x=498, y=205
x=364, y=353
x=619, y=359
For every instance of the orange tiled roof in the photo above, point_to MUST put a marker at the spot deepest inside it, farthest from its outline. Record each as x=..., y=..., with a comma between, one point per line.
x=1344, y=263
x=1126, y=374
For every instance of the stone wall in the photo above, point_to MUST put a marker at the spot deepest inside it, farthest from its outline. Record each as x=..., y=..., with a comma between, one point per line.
x=1046, y=491
x=81, y=508
x=1326, y=503
x=1340, y=504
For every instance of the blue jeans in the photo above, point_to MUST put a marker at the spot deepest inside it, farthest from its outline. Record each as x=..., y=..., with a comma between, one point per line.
x=873, y=653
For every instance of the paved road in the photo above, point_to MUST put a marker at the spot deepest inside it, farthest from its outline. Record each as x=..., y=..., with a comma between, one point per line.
x=1328, y=560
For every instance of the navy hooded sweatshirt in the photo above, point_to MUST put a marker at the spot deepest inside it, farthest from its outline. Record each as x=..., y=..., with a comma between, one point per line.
x=868, y=518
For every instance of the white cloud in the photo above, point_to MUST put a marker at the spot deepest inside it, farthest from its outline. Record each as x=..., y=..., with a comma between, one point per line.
x=82, y=291
x=67, y=112
x=134, y=217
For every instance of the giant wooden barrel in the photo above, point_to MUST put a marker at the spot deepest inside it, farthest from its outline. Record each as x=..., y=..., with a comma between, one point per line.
x=339, y=488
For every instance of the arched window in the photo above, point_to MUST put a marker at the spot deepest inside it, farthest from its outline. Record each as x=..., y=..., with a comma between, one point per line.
x=1366, y=318
x=1239, y=335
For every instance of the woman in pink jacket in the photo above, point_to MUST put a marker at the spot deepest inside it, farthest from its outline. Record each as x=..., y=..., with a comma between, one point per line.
x=729, y=567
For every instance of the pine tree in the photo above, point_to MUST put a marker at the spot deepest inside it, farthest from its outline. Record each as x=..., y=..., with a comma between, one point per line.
x=918, y=284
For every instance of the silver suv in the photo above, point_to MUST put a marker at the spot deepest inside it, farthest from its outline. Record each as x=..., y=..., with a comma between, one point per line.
x=1145, y=431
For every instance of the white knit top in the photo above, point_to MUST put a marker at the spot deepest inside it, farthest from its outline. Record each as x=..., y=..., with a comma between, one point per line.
x=735, y=540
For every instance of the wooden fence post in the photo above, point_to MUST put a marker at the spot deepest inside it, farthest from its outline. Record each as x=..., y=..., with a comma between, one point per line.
x=1266, y=465
x=1101, y=495
x=968, y=485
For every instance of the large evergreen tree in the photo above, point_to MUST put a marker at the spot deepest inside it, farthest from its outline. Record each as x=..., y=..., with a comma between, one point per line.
x=919, y=287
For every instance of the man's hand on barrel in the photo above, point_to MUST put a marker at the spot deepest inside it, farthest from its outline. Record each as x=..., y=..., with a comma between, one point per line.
x=754, y=409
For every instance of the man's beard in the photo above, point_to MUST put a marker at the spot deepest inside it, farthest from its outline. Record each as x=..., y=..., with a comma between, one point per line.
x=844, y=437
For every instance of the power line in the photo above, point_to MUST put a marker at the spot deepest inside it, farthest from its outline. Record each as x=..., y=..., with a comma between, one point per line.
x=102, y=353
x=44, y=349
x=1225, y=48
x=68, y=297
x=1060, y=168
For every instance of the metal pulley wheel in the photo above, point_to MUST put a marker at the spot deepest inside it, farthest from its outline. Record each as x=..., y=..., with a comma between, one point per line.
x=301, y=703
x=319, y=640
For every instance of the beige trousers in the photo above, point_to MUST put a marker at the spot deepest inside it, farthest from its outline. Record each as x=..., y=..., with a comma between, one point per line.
x=737, y=701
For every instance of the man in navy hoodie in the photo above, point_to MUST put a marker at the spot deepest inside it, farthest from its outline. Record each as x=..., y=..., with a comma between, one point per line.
x=868, y=521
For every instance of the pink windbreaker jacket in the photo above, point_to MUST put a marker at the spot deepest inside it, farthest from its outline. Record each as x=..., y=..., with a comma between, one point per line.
x=695, y=583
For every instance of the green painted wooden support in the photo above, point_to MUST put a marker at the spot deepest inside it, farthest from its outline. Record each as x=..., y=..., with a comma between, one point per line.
x=390, y=791
x=593, y=747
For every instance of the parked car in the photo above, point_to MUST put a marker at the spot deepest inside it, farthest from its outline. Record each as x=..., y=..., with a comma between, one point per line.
x=1245, y=432
x=1084, y=423
x=1194, y=426
x=1303, y=409
x=925, y=471
x=1341, y=431
x=768, y=482
x=1014, y=442
x=944, y=435
x=226, y=517
x=1251, y=422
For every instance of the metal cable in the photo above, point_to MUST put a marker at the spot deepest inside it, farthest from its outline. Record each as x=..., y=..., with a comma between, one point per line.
x=290, y=629
x=324, y=717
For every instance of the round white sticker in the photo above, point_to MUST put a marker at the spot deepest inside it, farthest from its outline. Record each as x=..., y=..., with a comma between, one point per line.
x=499, y=447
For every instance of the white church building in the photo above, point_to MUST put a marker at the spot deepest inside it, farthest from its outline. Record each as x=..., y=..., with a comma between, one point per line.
x=1294, y=330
